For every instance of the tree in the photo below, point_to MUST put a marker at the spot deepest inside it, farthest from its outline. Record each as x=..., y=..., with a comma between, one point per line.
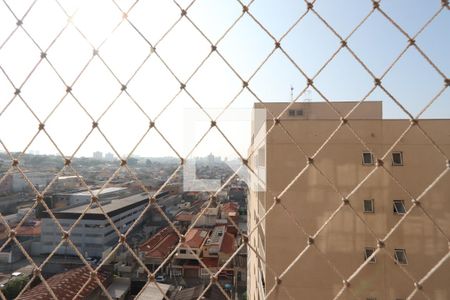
x=13, y=287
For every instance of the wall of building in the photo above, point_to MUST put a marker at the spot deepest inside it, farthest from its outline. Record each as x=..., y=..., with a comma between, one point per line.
x=311, y=201
x=39, y=180
x=92, y=237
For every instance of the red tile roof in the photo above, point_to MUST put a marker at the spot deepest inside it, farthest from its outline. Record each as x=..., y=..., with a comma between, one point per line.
x=160, y=244
x=195, y=237
x=27, y=230
x=211, y=262
x=228, y=244
x=230, y=207
x=66, y=285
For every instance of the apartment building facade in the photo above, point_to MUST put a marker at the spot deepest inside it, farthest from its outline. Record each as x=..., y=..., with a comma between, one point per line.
x=346, y=233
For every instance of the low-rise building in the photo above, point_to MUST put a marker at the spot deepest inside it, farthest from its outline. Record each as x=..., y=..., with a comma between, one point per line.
x=93, y=234
x=195, y=238
x=212, y=247
x=186, y=262
x=208, y=217
x=214, y=242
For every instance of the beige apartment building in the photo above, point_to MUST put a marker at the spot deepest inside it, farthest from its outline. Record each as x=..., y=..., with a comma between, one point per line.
x=344, y=244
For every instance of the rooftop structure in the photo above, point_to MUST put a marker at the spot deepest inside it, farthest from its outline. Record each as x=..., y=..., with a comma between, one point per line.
x=84, y=197
x=111, y=207
x=99, y=192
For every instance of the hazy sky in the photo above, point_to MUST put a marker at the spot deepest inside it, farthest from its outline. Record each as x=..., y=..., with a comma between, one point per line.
x=412, y=80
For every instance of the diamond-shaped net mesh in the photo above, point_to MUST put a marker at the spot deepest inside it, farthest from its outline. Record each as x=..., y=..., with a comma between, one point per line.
x=79, y=76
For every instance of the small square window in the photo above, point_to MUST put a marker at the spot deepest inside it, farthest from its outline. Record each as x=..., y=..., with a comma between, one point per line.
x=397, y=158
x=369, y=206
x=400, y=256
x=399, y=207
x=367, y=253
x=367, y=158
x=291, y=113
x=299, y=112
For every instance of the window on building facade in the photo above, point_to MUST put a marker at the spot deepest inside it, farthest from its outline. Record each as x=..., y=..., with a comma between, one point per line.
x=368, y=251
x=397, y=158
x=399, y=207
x=367, y=158
x=400, y=256
x=369, y=206
x=295, y=112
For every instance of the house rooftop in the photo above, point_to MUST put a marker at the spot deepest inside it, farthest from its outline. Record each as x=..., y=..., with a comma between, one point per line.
x=228, y=243
x=160, y=244
x=211, y=211
x=29, y=230
x=211, y=262
x=230, y=207
x=118, y=287
x=66, y=285
x=188, y=293
x=154, y=291
x=216, y=235
x=195, y=237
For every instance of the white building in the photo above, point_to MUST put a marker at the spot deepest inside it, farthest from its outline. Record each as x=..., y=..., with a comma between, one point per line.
x=109, y=156
x=38, y=179
x=97, y=155
x=78, y=198
x=94, y=234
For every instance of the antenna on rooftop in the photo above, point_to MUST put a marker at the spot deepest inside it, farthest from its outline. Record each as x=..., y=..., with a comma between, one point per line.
x=292, y=93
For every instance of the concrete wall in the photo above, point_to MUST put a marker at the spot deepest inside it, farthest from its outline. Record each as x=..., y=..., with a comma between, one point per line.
x=92, y=237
